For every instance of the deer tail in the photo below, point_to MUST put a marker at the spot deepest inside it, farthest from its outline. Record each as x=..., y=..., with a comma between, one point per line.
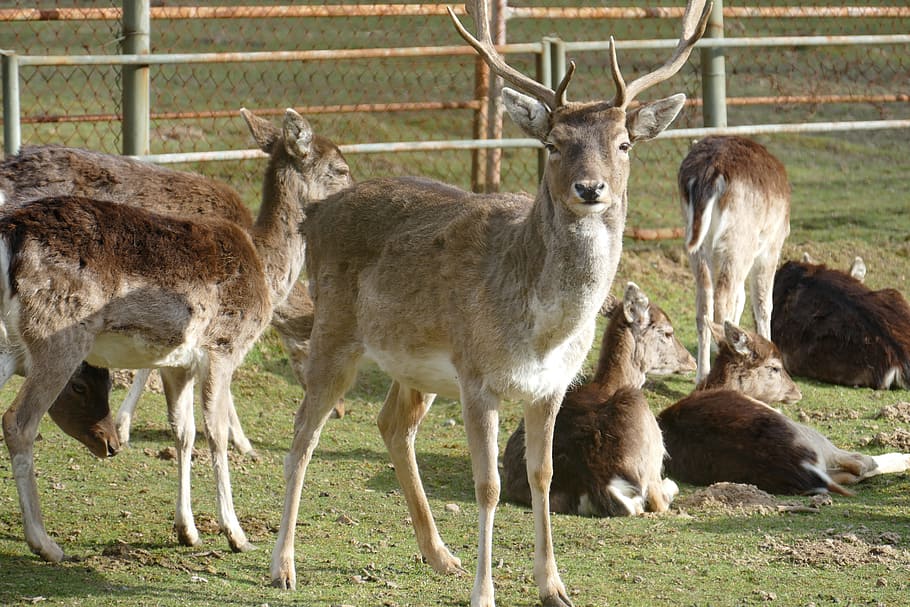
x=701, y=196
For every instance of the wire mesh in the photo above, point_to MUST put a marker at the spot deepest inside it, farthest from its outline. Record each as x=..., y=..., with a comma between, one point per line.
x=194, y=106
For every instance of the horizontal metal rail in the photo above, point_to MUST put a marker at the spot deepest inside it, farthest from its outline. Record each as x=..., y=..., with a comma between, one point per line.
x=474, y=144
x=413, y=10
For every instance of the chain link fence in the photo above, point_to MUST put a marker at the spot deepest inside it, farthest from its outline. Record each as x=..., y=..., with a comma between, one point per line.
x=384, y=98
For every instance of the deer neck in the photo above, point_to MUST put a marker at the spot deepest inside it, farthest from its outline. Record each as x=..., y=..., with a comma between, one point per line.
x=276, y=234
x=721, y=375
x=618, y=365
x=568, y=263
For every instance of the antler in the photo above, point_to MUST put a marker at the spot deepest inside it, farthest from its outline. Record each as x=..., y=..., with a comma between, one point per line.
x=692, y=30
x=485, y=47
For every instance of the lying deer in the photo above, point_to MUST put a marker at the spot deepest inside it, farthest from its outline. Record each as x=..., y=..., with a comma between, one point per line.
x=478, y=297
x=829, y=326
x=607, y=449
x=735, y=200
x=189, y=296
x=725, y=430
x=41, y=171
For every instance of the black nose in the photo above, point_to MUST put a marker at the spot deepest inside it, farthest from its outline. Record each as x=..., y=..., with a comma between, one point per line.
x=112, y=449
x=589, y=191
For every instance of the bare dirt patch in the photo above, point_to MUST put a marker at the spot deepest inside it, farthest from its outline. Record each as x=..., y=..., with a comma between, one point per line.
x=739, y=499
x=841, y=550
x=897, y=439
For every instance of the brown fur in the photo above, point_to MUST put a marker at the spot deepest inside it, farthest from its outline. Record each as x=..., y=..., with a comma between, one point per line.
x=831, y=327
x=82, y=411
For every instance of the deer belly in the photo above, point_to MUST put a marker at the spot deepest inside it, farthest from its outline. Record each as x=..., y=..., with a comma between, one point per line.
x=124, y=351
x=430, y=372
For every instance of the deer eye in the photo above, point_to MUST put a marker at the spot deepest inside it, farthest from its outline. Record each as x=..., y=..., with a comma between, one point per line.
x=625, y=146
x=78, y=388
x=551, y=147
x=774, y=369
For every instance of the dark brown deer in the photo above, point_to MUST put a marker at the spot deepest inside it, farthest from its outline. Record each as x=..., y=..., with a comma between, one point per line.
x=51, y=170
x=735, y=200
x=82, y=410
x=187, y=296
x=479, y=297
x=607, y=449
x=831, y=327
x=726, y=431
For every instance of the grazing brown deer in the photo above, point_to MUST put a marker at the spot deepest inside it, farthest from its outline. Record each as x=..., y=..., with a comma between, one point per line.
x=51, y=170
x=116, y=285
x=725, y=430
x=735, y=200
x=607, y=449
x=479, y=297
x=831, y=327
x=82, y=411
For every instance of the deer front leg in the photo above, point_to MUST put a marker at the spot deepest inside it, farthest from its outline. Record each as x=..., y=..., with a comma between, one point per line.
x=401, y=414
x=540, y=418
x=216, y=406
x=44, y=383
x=328, y=379
x=481, y=420
x=178, y=392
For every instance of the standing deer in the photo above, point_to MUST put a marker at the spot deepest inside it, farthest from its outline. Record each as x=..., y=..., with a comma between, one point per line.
x=50, y=170
x=84, y=279
x=735, y=200
x=608, y=453
x=831, y=327
x=478, y=297
x=725, y=430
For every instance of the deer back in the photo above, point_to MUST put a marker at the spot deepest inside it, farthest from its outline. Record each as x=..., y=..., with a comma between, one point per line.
x=51, y=170
x=730, y=186
x=174, y=283
x=831, y=327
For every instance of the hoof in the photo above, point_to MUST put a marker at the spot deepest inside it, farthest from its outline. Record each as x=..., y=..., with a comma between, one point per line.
x=244, y=547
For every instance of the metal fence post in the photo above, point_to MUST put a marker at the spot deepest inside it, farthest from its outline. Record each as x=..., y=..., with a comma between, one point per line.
x=551, y=67
x=713, y=78
x=135, y=94
x=12, y=132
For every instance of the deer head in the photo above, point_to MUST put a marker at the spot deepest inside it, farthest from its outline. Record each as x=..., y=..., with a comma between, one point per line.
x=588, y=142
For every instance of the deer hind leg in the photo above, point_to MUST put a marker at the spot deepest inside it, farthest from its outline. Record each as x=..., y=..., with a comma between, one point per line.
x=704, y=312
x=217, y=405
x=52, y=366
x=540, y=418
x=125, y=413
x=235, y=431
x=761, y=291
x=328, y=378
x=398, y=421
x=178, y=391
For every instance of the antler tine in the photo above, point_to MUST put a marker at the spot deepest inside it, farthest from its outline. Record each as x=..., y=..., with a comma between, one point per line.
x=692, y=30
x=486, y=49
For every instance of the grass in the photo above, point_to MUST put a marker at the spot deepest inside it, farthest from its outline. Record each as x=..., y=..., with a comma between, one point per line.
x=354, y=542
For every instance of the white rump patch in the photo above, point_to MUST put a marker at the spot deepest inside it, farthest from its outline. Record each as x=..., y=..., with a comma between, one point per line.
x=628, y=495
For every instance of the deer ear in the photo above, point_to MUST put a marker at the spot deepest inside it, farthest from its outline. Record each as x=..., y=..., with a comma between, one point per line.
x=635, y=305
x=717, y=330
x=648, y=120
x=264, y=132
x=738, y=339
x=298, y=134
x=532, y=116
